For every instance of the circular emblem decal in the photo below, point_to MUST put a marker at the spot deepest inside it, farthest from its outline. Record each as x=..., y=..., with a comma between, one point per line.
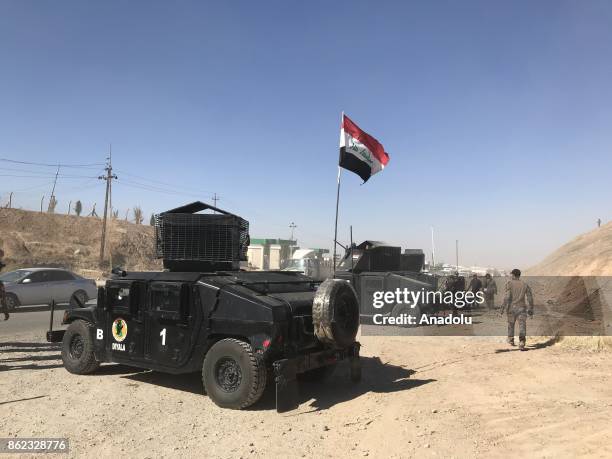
x=119, y=329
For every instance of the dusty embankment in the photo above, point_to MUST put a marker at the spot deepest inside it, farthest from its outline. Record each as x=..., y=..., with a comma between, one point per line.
x=41, y=239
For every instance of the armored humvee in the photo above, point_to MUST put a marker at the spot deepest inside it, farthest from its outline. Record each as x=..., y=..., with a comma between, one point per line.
x=374, y=266
x=239, y=328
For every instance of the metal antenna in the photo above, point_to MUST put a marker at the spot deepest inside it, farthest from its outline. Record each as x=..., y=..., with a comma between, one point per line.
x=215, y=198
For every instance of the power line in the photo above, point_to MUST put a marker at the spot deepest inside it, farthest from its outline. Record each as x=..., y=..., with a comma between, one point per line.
x=49, y=164
x=31, y=171
x=44, y=185
x=154, y=189
x=163, y=183
x=86, y=185
x=48, y=176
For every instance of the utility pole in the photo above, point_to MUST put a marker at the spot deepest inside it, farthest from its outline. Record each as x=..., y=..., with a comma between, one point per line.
x=433, y=251
x=52, y=198
x=108, y=177
x=292, y=226
x=457, y=253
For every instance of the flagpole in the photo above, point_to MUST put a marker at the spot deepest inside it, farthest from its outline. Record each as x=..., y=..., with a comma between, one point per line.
x=336, y=226
x=337, y=197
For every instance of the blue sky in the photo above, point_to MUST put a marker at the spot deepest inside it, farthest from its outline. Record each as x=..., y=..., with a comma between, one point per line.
x=496, y=115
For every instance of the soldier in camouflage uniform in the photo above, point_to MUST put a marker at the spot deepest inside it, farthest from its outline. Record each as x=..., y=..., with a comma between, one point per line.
x=3, y=307
x=490, y=290
x=514, y=301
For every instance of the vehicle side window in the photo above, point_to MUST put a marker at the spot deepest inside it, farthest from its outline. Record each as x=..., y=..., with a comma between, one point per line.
x=60, y=276
x=166, y=298
x=38, y=277
x=119, y=298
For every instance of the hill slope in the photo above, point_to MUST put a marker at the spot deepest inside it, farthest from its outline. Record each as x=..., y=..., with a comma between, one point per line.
x=589, y=254
x=40, y=239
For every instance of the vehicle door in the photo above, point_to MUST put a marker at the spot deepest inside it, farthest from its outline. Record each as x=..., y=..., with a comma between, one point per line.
x=61, y=285
x=35, y=289
x=173, y=322
x=125, y=325
x=370, y=284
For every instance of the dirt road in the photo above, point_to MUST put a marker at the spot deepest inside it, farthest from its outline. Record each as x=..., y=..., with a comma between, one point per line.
x=425, y=396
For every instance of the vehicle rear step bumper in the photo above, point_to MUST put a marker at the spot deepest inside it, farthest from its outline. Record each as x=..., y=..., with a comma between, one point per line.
x=286, y=371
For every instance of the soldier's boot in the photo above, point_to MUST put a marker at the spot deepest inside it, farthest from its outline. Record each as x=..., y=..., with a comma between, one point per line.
x=6, y=316
x=522, y=345
x=511, y=341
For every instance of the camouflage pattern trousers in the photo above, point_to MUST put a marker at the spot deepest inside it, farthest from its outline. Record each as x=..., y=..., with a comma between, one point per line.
x=521, y=315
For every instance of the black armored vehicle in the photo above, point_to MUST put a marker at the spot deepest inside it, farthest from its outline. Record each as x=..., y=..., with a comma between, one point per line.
x=374, y=266
x=239, y=328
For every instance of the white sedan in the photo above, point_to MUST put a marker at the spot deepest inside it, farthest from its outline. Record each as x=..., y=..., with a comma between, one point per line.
x=35, y=286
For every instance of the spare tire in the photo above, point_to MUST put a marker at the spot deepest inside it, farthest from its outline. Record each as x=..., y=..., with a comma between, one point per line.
x=335, y=313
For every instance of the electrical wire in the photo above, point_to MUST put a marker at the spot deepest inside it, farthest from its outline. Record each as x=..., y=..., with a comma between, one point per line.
x=90, y=165
x=48, y=176
x=154, y=189
x=41, y=173
x=121, y=172
x=44, y=185
x=86, y=185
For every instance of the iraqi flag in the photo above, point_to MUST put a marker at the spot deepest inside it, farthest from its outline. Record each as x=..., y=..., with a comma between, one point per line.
x=359, y=151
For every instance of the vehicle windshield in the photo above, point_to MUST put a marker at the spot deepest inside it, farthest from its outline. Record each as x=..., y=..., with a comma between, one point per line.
x=347, y=264
x=15, y=276
x=295, y=264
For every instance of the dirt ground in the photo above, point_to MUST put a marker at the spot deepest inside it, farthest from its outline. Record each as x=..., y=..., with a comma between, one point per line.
x=420, y=396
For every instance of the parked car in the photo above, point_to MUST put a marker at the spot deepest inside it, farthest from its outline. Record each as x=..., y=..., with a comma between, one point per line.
x=34, y=286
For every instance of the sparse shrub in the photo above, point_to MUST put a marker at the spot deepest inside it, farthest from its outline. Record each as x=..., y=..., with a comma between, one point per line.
x=138, y=217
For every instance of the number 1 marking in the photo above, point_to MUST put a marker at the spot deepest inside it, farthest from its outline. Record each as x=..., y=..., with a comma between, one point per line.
x=163, y=335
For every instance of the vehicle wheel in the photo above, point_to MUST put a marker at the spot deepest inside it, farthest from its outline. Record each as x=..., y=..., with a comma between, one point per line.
x=11, y=301
x=335, y=313
x=78, y=299
x=234, y=377
x=318, y=374
x=78, y=350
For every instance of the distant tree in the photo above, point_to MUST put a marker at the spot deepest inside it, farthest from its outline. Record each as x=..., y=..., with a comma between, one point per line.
x=115, y=214
x=152, y=221
x=138, y=217
x=78, y=208
x=52, y=205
